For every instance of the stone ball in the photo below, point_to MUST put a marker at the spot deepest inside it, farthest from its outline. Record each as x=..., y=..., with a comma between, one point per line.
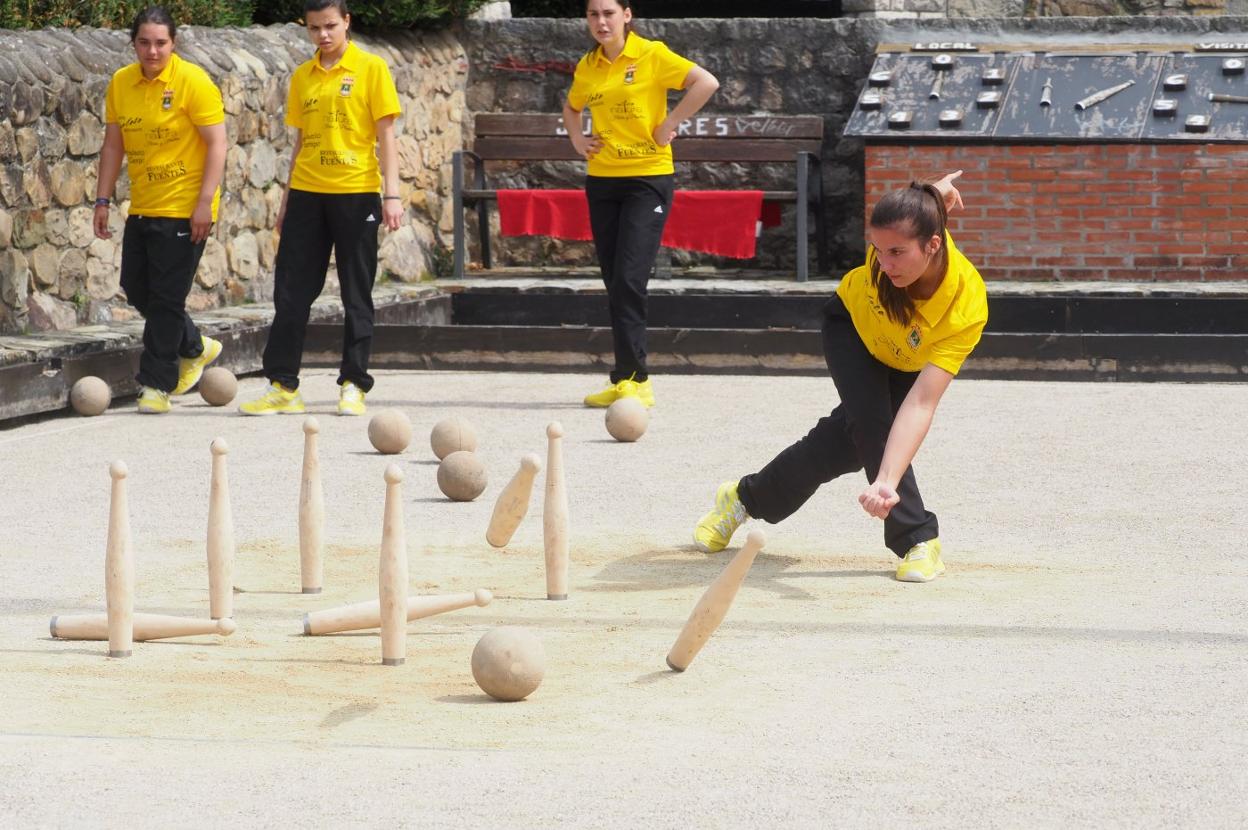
x=90, y=396
x=461, y=476
x=390, y=431
x=218, y=386
x=627, y=419
x=509, y=663
x=452, y=435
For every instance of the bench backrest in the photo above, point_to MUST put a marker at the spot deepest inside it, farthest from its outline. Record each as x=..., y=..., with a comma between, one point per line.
x=761, y=138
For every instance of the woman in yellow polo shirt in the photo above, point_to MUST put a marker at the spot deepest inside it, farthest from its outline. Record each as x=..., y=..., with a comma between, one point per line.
x=342, y=106
x=895, y=335
x=165, y=117
x=623, y=81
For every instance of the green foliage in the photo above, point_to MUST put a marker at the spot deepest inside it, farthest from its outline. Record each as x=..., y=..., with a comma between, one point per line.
x=381, y=14
x=118, y=14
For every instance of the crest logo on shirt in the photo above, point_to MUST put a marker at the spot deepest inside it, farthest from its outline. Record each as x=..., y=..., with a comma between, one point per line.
x=915, y=337
x=166, y=99
x=630, y=72
x=345, y=89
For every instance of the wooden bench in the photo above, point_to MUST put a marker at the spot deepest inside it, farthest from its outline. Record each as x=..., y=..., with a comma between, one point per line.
x=760, y=139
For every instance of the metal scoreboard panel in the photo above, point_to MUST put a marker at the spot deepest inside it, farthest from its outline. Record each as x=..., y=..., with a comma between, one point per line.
x=933, y=95
x=1124, y=92
x=1074, y=80
x=1202, y=75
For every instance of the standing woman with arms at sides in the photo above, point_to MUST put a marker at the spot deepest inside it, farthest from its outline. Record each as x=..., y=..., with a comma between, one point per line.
x=165, y=116
x=624, y=81
x=894, y=335
x=342, y=105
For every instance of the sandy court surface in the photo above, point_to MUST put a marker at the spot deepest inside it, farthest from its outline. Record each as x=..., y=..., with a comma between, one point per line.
x=1081, y=664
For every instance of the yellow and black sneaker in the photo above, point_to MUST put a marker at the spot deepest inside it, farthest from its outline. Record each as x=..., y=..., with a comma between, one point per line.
x=922, y=563
x=191, y=369
x=277, y=399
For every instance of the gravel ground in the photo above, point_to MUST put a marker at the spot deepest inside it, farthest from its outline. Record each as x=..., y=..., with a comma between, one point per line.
x=1081, y=663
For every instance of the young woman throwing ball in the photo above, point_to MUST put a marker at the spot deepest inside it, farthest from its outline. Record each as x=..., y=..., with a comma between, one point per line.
x=895, y=335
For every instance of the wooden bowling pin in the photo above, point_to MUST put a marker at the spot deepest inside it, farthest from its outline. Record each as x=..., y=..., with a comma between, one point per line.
x=555, y=516
x=714, y=604
x=392, y=573
x=311, y=513
x=146, y=626
x=119, y=568
x=513, y=502
x=368, y=614
x=220, y=537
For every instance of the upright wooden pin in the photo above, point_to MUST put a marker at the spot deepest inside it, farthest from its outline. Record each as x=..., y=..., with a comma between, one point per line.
x=220, y=537
x=119, y=568
x=311, y=513
x=513, y=502
x=368, y=614
x=392, y=573
x=555, y=516
x=146, y=626
x=714, y=604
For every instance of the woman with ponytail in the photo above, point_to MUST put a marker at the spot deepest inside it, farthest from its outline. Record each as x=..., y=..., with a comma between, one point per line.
x=894, y=335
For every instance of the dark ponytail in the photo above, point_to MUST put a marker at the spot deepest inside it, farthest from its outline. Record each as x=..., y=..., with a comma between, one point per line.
x=920, y=211
x=155, y=15
x=322, y=5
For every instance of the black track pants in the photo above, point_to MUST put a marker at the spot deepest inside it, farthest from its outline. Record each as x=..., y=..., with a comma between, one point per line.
x=158, y=262
x=315, y=224
x=627, y=215
x=851, y=438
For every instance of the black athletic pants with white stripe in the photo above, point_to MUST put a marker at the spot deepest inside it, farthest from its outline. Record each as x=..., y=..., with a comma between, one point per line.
x=158, y=262
x=851, y=438
x=315, y=224
x=627, y=215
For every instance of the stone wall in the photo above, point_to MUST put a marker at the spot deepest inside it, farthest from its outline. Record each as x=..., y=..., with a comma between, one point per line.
x=783, y=67
x=55, y=274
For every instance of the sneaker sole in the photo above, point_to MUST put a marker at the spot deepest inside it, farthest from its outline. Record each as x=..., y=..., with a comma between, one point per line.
x=271, y=412
x=915, y=577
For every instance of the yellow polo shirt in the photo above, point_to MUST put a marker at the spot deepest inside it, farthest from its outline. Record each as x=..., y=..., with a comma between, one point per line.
x=158, y=121
x=945, y=328
x=627, y=99
x=337, y=111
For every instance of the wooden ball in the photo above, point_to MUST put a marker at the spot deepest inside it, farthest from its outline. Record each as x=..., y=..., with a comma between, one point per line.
x=627, y=419
x=90, y=396
x=218, y=386
x=461, y=476
x=390, y=431
x=509, y=663
x=452, y=435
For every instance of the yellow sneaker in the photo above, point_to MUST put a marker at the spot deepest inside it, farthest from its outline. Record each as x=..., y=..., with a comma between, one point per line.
x=350, y=399
x=922, y=563
x=191, y=369
x=627, y=388
x=276, y=399
x=715, y=529
x=153, y=401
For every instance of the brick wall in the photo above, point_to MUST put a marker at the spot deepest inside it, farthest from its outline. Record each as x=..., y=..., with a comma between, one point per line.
x=1088, y=211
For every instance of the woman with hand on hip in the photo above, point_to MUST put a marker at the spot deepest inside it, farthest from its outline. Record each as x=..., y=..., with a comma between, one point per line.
x=895, y=335
x=342, y=106
x=165, y=116
x=624, y=81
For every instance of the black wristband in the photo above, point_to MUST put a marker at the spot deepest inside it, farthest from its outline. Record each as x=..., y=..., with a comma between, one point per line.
x=103, y=201
x=387, y=198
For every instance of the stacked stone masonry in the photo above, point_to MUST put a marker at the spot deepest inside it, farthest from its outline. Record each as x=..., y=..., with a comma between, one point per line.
x=55, y=274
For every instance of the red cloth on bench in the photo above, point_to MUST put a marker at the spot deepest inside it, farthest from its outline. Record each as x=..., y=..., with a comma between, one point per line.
x=722, y=222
